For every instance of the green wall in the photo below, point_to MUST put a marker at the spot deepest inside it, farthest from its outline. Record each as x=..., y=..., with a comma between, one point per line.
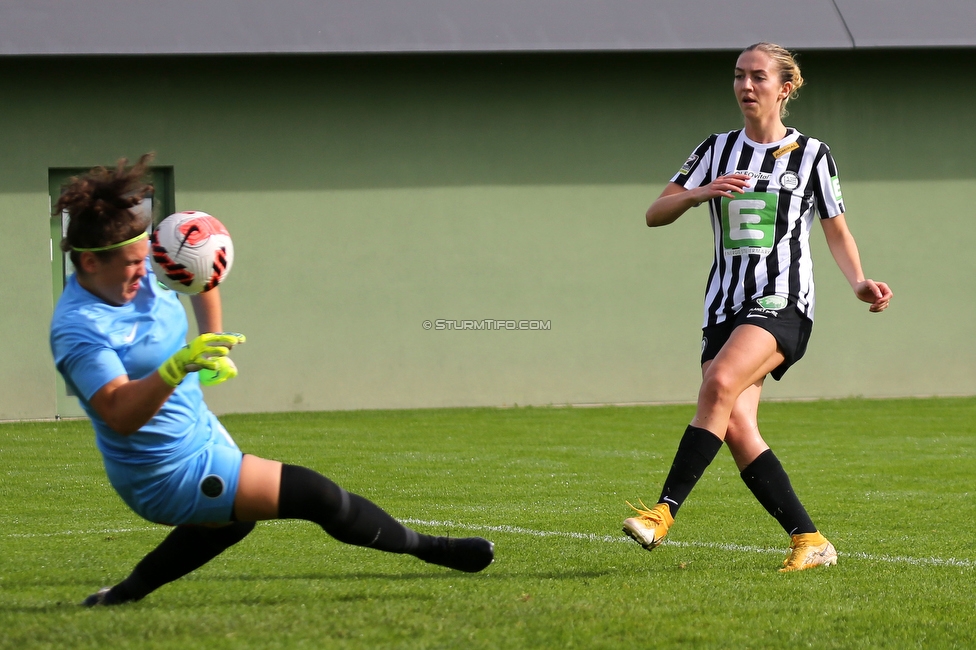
x=368, y=194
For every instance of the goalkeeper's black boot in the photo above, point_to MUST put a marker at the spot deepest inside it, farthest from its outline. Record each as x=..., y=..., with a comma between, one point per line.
x=470, y=554
x=103, y=597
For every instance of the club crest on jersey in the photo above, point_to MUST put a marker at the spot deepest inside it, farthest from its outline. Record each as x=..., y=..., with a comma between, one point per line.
x=789, y=181
x=686, y=168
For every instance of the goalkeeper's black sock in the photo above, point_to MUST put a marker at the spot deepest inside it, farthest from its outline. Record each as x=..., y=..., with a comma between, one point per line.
x=768, y=481
x=696, y=451
x=348, y=517
x=186, y=548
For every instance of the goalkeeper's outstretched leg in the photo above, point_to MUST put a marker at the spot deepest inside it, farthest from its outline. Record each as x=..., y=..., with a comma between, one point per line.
x=273, y=490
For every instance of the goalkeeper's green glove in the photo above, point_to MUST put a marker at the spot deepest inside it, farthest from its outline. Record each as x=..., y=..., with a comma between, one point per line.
x=225, y=370
x=205, y=351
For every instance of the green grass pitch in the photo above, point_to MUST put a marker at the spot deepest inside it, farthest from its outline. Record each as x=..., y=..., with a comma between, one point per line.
x=890, y=482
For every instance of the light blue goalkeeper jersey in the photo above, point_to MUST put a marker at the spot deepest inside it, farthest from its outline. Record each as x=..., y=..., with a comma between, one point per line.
x=94, y=342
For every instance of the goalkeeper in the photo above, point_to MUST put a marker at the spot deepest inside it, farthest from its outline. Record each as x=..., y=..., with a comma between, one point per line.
x=118, y=339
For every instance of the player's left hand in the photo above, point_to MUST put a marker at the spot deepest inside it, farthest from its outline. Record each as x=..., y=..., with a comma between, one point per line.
x=877, y=294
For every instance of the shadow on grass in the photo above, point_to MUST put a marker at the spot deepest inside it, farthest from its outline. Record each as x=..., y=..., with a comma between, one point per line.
x=45, y=608
x=328, y=577
x=445, y=574
x=433, y=574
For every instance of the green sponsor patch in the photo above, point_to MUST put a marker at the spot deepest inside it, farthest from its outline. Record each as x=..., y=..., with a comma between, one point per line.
x=772, y=303
x=748, y=222
x=835, y=184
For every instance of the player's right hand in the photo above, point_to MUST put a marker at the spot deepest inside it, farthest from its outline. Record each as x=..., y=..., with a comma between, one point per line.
x=727, y=186
x=205, y=351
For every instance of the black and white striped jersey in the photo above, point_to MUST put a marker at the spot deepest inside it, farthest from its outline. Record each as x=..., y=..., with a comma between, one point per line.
x=762, y=237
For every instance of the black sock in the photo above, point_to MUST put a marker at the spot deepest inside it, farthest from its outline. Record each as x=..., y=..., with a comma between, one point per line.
x=186, y=548
x=695, y=452
x=767, y=479
x=348, y=517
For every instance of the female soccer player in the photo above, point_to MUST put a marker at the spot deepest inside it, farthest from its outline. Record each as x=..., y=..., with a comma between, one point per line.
x=118, y=339
x=763, y=184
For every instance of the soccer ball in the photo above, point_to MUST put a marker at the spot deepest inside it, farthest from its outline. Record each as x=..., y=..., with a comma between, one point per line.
x=191, y=252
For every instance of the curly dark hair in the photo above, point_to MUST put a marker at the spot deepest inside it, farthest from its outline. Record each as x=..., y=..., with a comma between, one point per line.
x=100, y=206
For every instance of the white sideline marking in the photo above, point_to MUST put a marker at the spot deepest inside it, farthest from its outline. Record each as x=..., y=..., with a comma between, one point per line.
x=892, y=559
x=587, y=537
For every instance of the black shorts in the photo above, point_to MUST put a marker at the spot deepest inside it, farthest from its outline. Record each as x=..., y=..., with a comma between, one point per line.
x=789, y=327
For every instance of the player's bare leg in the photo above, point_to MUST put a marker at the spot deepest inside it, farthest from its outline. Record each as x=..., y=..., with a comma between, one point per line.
x=728, y=402
x=764, y=475
x=746, y=358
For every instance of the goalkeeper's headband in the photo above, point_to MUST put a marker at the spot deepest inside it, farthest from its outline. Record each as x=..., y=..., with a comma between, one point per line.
x=110, y=247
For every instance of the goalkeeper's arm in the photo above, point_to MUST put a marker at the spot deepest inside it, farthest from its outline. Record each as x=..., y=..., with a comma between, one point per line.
x=127, y=404
x=208, y=309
